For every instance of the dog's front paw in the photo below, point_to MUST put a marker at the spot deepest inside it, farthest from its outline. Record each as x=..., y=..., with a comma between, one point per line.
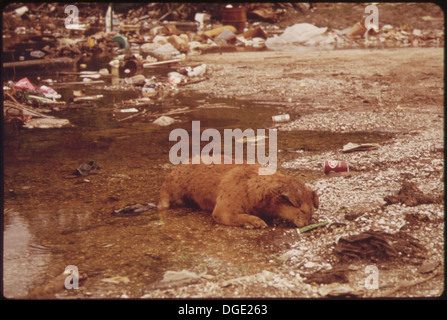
x=253, y=222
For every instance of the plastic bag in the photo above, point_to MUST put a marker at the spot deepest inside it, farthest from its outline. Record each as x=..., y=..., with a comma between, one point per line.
x=298, y=34
x=24, y=84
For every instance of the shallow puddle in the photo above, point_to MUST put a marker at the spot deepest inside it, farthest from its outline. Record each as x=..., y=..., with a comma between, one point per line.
x=54, y=219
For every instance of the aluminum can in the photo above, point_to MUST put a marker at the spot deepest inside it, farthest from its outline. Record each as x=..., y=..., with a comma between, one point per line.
x=336, y=166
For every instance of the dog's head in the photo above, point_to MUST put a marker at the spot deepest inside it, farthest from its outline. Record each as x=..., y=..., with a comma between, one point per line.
x=296, y=202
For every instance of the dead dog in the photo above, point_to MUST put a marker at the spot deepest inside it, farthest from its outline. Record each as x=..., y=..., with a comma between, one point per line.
x=237, y=195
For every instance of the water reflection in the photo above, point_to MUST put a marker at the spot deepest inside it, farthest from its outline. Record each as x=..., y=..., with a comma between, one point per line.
x=23, y=261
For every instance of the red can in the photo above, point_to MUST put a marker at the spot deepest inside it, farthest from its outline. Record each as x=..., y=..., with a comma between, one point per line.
x=336, y=166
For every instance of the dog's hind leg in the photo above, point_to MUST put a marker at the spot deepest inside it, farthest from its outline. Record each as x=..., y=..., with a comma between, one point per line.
x=224, y=216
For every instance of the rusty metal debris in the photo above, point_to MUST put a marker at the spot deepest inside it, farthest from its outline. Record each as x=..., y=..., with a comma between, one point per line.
x=378, y=246
x=411, y=196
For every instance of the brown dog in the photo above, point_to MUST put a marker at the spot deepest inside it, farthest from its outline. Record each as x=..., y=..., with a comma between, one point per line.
x=236, y=194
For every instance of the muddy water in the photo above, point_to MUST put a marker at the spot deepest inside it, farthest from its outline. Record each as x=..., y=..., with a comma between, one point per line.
x=53, y=219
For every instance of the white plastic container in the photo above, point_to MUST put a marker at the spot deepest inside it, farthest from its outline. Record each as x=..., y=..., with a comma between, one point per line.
x=281, y=118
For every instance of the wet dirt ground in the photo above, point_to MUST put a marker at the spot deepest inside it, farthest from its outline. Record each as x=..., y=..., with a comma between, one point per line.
x=53, y=219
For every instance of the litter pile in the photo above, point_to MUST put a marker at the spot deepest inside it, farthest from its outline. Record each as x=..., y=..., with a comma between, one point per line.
x=411, y=196
x=144, y=36
x=166, y=31
x=134, y=209
x=378, y=246
x=26, y=105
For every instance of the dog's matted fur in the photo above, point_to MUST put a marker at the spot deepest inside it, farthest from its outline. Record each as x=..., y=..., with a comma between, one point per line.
x=237, y=195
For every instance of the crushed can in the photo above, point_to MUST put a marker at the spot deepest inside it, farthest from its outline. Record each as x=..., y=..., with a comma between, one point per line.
x=281, y=118
x=336, y=166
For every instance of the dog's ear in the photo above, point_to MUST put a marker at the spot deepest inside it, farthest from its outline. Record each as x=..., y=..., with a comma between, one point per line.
x=293, y=198
x=315, y=199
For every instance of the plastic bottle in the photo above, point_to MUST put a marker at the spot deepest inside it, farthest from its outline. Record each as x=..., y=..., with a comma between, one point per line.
x=109, y=19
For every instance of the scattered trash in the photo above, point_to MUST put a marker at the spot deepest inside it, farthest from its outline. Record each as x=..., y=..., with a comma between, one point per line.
x=175, y=78
x=49, y=92
x=311, y=226
x=46, y=123
x=351, y=147
x=89, y=74
x=88, y=98
x=281, y=118
x=378, y=246
x=44, y=100
x=298, y=34
x=411, y=196
x=140, y=25
x=20, y=109
x=134, y=209
x=104, y=72
x=133, y=116
x=135, y=80
x=202, y=18
x=152, y=64
x=236, y=17
x=179, y=42
x=114, y=63
x=37, y=54
x=336, y=166
x=149, y=92
x=20, y=30
x=21, y=11
x=85, y=168
x=267, y=14
x=109, y=19
x=129, y=110
x=429, y=266
x=24, y=84
x=226, y=36
x=197, y=71
x=417, y=32
x=258, y=139
x=165, y=52
x=358, y=29
x=122, y=40
x=164, y=121
x=255, y=33
x=215, y=32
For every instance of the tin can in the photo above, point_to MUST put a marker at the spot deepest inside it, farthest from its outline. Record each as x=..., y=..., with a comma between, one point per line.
x=336, y=166
x=281, y=118
x=236, y=17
